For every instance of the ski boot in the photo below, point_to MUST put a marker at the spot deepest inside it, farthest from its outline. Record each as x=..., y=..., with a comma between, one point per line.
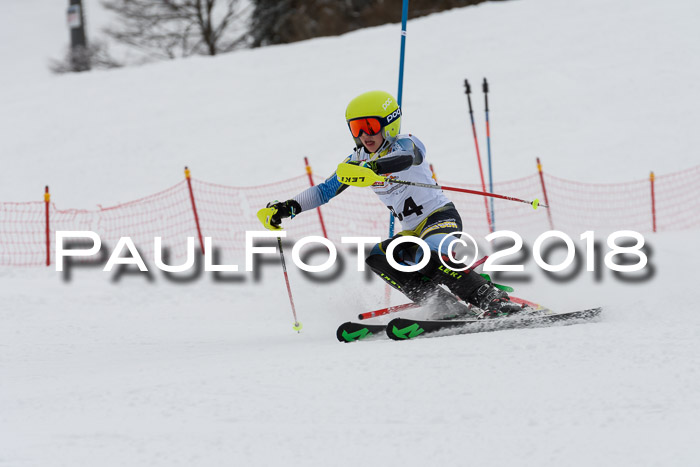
x=447, y=306
x=494, y=302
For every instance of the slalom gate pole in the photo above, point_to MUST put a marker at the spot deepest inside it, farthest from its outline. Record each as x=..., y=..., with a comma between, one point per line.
x=399, y=97
x=47, y=201
x=297, y=325
x=485, y=88
x=318, y=209
x=653, y=201
x=544, y=192
x=404, y=21
x=468, y=91
x=399, y=94
x=194, y=207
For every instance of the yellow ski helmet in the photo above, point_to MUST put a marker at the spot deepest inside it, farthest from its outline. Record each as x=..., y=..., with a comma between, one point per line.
x=373, y=112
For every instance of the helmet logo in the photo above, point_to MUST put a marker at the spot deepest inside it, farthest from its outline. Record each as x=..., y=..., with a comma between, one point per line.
x=387, y=103
x=392, y=116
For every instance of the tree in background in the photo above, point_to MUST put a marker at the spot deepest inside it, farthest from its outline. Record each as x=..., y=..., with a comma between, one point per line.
x=96, y=55
x=178, y=28
x=283, y=21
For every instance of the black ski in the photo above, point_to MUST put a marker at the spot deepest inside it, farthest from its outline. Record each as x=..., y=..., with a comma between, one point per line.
x=351, y=332
x=404, y=329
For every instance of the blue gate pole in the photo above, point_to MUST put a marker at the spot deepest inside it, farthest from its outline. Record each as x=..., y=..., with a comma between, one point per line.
x=404, y=20
x=488, y=145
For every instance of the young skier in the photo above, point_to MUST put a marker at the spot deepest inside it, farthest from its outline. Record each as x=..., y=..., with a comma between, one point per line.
x=374, y=119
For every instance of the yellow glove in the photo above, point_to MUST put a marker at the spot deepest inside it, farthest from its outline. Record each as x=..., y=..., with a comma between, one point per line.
x=272, y=215
x=265, y=215
x=357, y=175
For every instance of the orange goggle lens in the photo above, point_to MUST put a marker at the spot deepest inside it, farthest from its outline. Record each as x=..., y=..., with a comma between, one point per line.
x=369, y=125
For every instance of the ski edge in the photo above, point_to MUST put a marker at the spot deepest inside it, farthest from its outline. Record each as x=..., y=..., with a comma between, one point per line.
x=400, y=329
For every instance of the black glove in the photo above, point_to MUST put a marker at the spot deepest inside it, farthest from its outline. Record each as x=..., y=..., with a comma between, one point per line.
x=372, y=165
x=289, y=208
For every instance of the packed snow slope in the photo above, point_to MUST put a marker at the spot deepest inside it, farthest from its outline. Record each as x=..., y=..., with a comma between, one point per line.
x=140, y=370
x=601, y=91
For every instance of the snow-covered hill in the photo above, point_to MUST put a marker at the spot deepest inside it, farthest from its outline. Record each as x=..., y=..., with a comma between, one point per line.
x=601, y=91
x=100, y=371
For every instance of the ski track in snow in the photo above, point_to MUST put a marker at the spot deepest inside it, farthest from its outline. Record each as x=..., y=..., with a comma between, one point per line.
x=161, y=374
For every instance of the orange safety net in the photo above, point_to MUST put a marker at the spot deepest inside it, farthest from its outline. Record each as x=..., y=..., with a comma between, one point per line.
x=227, y=212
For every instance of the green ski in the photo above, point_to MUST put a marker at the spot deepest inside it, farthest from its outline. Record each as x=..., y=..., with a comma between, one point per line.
x=351, y=332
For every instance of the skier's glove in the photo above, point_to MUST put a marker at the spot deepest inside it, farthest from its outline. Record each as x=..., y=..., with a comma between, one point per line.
x=388, y=164
x=272, y=215
x=372, y=165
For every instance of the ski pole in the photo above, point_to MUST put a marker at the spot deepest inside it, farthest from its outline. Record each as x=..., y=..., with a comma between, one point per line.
x=485, y=88
x=386, y=311
x=297, y=325
x=535, y=203
x=356, y=175
x=468, y=91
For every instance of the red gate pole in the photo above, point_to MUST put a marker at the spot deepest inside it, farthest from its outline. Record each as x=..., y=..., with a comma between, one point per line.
x=47, y=201
x=653, y=201
x=544, y=192
x=311, y=181
x=194, y=207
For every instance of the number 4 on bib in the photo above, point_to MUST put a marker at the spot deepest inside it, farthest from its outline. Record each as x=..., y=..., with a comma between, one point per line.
x=409, y=207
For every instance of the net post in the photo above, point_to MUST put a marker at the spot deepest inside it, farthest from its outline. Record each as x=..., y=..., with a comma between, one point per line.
x=653, y=201
x=194, y=207
x=47, y=202
x=318, y=209
x=544, y=193
x=432, y=171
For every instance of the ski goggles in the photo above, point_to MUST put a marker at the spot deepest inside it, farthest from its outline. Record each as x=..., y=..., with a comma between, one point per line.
x=370, y=125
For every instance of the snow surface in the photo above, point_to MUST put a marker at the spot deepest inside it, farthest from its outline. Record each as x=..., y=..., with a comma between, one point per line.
x=138, y=372
x=601, y=91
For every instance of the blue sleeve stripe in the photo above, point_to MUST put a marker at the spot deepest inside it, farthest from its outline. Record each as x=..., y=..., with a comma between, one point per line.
x=317, y=195
x=329, y=188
